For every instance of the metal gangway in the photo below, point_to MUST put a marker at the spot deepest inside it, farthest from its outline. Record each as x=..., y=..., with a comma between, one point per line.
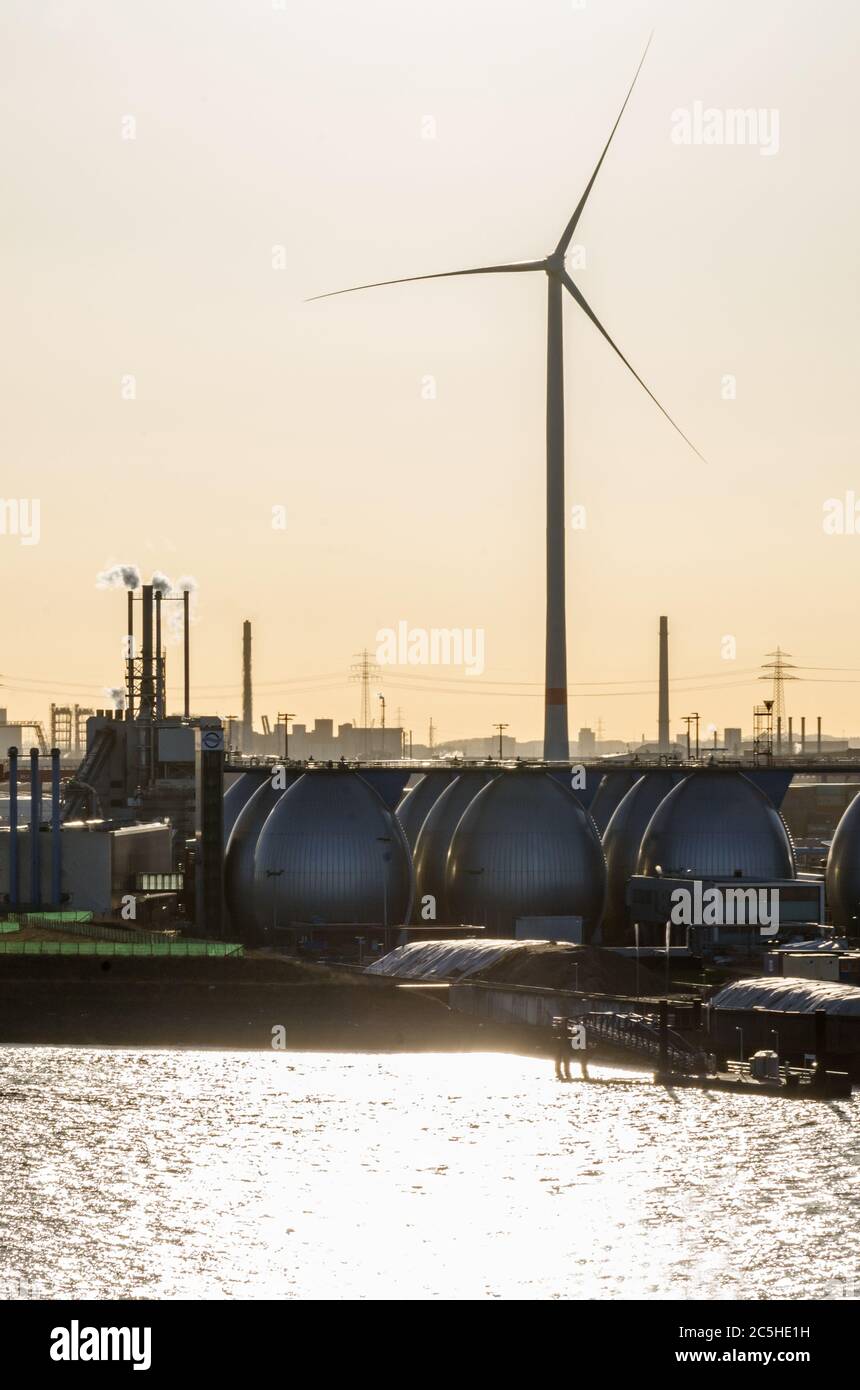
x=642, y=1036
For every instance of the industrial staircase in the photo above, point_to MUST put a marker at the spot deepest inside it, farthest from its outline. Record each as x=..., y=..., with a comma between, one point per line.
x=82, y=785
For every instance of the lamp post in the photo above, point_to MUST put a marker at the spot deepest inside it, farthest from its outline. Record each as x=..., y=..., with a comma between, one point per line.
x=381, y=699
x=286, y=718
x=741, y=1032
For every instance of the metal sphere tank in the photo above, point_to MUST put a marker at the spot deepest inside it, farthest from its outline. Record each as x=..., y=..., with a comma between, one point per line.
x=621, y=841
x=239, y=855
x=434, y=838
x=842, y=877
x=717, y=825
x=332, y=851
x=613, y=786
x=235, y=797
x=525, y=847
x=417, y=801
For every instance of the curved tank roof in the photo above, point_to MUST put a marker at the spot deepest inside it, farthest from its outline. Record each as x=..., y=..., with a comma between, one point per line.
x=525, y=848
x=613, y=786
x=443, y=960
x=332, y=851
x=717, y=825
x=239, y=855
x=416, y=801
x=793, y=996
x=235, y=797
x=434, y=837
x=842, y=876
x=621, y=841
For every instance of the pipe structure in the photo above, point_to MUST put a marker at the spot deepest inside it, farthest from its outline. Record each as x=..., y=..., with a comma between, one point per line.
x=146, y=684
x=130, y=656
x=663, y=699
x=56, y=841
x=14, y=892
x=779, y=733
x=35, y=818
x=159, y=665
x=187, y=642
x=803, y=733
x=819, y=735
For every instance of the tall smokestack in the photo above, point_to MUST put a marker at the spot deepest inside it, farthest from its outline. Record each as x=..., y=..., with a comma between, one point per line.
x=663, y=703
x=186, y=642
x=247, y=705
x=146, y=683
x=130, y=654
x=159, y=665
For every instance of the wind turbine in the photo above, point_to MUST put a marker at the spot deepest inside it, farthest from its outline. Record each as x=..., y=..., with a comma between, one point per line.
x=556, y=742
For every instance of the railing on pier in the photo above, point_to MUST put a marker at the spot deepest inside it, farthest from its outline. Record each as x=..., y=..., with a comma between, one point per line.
x=635, y=1033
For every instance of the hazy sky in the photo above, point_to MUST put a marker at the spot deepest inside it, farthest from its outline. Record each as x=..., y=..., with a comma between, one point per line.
x=281, y=150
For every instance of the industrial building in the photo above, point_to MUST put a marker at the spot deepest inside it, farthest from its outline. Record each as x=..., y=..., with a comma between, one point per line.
x=267, y=851
x=140, y=818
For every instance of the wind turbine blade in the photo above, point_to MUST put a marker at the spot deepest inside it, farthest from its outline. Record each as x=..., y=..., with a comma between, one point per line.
x=440, y=275
x=577, y=212
x=586, y=308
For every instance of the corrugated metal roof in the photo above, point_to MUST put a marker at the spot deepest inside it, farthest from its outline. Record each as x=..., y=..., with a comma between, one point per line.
x=790, y=995
x=825, y=944
x=427, y=960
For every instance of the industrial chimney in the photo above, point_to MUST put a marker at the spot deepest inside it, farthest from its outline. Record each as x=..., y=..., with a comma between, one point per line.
x=147, y=686
x=247, y=705
x=663, y=705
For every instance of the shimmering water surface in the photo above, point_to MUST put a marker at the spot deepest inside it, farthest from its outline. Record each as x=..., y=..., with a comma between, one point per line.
x=224, y=1174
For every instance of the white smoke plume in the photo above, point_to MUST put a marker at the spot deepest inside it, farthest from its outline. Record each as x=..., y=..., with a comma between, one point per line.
x=117, y=694
x=128, y=577
x=119, y=577
x=175, y=612
x=161, y=584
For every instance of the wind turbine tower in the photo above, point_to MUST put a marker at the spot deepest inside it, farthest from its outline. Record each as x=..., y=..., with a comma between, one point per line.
x=556, y=740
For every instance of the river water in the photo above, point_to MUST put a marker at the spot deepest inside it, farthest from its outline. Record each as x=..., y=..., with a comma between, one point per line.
x=169, y=1174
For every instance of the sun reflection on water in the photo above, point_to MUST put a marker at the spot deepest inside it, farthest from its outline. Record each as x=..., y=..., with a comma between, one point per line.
x=174, y=1174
